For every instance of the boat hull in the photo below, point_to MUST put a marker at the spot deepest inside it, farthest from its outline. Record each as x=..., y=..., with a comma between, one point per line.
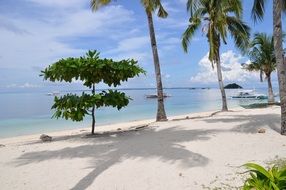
x=250, y=97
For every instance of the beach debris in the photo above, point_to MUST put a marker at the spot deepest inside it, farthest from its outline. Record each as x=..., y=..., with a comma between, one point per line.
x=2, y=145
x=138, y=127
x=141, y=127
x=180, y=174
x=261, y=130
x=119, y=129
x=46, y=138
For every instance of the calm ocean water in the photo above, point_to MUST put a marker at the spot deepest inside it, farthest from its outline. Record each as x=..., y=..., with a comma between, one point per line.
x=30, y=113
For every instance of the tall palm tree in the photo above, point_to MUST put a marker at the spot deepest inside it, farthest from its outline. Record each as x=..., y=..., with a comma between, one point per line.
x=257, y=14
x=262, y=59
x=150, y=7
x=218, y=19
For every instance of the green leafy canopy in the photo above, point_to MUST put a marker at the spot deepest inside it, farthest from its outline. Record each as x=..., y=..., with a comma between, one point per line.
x=74, y=107
x=90, y=69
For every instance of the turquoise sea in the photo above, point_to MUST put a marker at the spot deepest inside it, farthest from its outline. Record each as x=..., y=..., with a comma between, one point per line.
x=29, y=113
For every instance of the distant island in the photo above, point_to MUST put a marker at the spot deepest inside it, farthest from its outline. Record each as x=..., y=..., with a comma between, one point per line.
x=232, y=86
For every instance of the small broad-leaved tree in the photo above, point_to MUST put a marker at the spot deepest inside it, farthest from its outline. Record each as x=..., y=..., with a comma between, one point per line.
x=91, y=70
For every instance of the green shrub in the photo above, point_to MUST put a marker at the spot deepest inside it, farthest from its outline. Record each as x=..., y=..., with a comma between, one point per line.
x=262, y=179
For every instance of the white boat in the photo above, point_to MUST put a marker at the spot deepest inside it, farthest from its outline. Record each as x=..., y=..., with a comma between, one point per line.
x=54, y=93
x=249, y=94
x=156, y=96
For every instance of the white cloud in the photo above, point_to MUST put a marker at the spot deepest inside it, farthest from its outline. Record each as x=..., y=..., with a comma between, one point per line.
x=59, y=3
x=171, y=41
x=137, y=48
x=41, y=41
x=131, y=44
x=25, y=85
x=167, y=76
x=231, y=69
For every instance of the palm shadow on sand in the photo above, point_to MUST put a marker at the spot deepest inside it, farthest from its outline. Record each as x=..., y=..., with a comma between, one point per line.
x=105, y=151
x=249, y=123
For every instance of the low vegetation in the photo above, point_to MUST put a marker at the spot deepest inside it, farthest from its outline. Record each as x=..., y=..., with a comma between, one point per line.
x=260, y=178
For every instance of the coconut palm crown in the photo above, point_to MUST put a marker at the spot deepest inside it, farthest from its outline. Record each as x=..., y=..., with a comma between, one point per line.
x=262, y=57
x=218, y=19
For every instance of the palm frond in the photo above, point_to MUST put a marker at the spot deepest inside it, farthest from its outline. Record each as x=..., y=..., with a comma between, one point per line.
x=258, y=9
x=233, y=6
x=192, y=5
x=162, y=13
x=96, y=4
x=261, y=54
x=195, y=23
x=221, y=27
x=239, y=31
x=214, y=45
x=153, y=5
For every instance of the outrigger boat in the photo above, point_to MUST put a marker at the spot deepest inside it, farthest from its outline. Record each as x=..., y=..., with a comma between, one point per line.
x=249, y=94
x=156, y=96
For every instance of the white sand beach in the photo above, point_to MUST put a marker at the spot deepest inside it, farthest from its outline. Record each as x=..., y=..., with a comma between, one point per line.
x=196, y=153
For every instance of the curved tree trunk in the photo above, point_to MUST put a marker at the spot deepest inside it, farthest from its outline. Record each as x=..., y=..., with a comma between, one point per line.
x=161, y=114
x=281, y=72
x=270, y=90
x=221, y=86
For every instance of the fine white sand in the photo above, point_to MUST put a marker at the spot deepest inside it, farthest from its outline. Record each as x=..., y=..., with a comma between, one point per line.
x=197, y=153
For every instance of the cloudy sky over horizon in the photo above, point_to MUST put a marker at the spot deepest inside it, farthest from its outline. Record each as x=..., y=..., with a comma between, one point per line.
x=36, y=33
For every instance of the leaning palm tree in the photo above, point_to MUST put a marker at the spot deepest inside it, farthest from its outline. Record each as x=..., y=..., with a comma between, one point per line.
x=262, y=59
x=150, y=7
x=257, y=14
x=218, y=19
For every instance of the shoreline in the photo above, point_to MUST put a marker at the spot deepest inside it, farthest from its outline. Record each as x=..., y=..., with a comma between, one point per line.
x=104, y=127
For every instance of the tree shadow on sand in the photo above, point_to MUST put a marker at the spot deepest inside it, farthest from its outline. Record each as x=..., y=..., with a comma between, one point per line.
x=249, y=123
x=109, y=149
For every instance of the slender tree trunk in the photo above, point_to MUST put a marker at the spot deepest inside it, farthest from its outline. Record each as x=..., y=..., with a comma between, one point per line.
x=161, y=114
x=281, y=72
x=221, y=87
x=93, y=112
x=270, y=90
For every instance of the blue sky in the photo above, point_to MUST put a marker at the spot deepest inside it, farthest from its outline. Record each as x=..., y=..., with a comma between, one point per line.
x=36, y=33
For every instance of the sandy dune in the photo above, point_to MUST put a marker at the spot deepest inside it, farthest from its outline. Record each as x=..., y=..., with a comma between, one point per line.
x=191, y=154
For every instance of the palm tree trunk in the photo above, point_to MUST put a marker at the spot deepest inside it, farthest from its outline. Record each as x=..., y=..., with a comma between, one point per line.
x=270, y=90
x=221, y=86
x=281, y=72
x=161, y=114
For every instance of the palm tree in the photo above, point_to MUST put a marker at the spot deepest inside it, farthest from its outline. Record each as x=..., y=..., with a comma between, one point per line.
x=150, y=7
x=257, y=14
x=263, y=60
x=218, y=18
